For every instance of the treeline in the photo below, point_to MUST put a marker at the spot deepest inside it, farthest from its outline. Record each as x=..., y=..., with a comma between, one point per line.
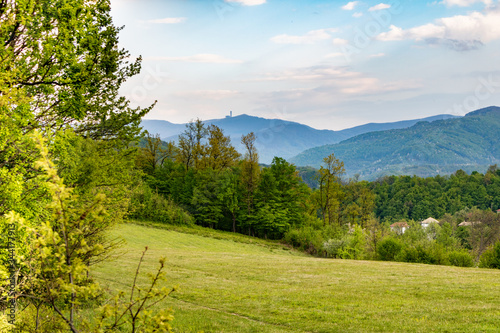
x=453, y=199
x=417, y=198
x=407, y=197
x=205, y=176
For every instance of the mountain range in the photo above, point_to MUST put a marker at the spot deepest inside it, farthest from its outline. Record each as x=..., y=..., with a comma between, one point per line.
x=425, y=149
x=277, y=137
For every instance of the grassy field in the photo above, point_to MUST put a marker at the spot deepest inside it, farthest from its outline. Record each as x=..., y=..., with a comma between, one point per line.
x=236, y=284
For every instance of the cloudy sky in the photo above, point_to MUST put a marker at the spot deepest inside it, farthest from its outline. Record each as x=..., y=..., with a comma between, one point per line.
x=327, y=64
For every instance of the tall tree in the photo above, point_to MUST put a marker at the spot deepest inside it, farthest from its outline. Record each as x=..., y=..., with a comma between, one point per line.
x=330, y=189
x=191, y=147
x=60, y=67
x=249, y=178
x=230, y=195
x=293, y=192
x=359, y=202
x=207, y=198
x=484, y=230
x=220, y=154
x=63, y=58
x=60, y=72
x=154, y=153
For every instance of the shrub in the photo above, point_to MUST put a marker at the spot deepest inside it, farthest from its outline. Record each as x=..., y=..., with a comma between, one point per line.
x=424, y=253
x=146, y=204
x=349, y=246
x=409, y=254
x=388, y=249
x=460, y=258
x=335, y=247
x=305, y=239
x=491, y=257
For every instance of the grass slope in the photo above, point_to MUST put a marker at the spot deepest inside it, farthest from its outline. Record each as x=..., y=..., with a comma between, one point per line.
x=233, y=285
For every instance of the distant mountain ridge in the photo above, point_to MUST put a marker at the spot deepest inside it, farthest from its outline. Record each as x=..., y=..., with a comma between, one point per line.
x=425, y=149
x=276, y=137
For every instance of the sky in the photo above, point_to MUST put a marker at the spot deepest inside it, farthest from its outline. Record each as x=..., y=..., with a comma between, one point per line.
x=327, y=64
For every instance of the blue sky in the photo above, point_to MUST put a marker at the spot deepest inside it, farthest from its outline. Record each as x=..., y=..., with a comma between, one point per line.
x=327, y=64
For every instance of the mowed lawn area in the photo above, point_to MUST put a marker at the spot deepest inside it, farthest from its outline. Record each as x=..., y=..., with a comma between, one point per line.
x=229, y=286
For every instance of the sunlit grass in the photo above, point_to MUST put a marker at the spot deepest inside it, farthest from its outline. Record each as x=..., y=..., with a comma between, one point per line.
x=230, y=286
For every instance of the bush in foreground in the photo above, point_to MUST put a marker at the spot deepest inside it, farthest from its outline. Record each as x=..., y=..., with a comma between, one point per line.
x=388, y=249
x=460, y=258
x=148, y=205
x=491, y=257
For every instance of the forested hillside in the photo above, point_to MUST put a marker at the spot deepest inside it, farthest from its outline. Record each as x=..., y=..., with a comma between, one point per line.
x=425, y=149
x=406, y=197
x=204, y=177
x=276, y=137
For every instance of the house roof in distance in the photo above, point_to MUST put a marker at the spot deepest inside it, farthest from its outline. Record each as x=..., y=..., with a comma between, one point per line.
x=466, y=223
x=399, y=225
x=429, y=221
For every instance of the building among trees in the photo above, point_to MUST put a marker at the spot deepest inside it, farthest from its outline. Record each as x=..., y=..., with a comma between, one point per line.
x=425, y=223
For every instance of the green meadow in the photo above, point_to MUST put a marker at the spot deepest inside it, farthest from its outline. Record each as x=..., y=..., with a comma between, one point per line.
x=236, y=284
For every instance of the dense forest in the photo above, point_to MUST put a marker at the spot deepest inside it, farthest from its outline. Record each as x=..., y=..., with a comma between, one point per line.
x=206, y=171
x=406, y=197
x=203, y=180
x=205, y=176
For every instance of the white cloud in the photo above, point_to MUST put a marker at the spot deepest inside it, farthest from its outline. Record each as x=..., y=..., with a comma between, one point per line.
x=461, y=32
x=465, y=3
x=380, y=6
x=334, y=55
x=358, y=14
x=215, y=95
x=350, y=5
x=377, y=55
x=418, y=33
x=340, y=41
x=200, y=58
x=309, y=38
x=319, y=73
x=248, y=2
x=325, y=82
x=168, y=20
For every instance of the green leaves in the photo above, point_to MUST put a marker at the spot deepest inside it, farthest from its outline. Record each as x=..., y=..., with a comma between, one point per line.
x=66, y=169
x=64, y=57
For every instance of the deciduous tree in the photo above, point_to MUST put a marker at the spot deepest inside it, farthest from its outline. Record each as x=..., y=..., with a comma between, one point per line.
x=330, y=189
x=220, y=154
x=249, y=178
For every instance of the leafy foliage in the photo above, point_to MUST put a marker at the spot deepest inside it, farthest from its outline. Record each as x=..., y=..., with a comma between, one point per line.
x=491, y=257
x=388, y=249
x=66, y=170
x=64, y=57
x=405, y=197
